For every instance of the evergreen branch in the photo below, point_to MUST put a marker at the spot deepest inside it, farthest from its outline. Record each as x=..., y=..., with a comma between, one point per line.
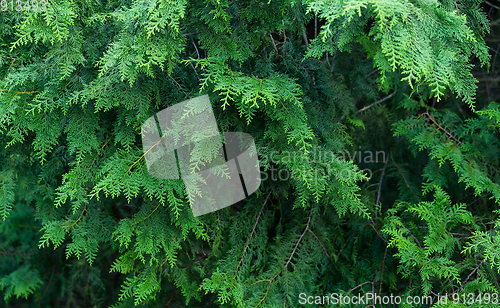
x=297, y=244
x=377, y=102
x=274, y=44
x=97, y=155
x=149, y=214
x=31, y=227
x=429, y=117
x=130, y=168
x=404, y=178
x=487, y=194
x=164, y=262
x=74, y=223
x=289, y=259
x=492, y=5
x=48, y=284
x=10, y=58
x=382, y=274
x=380, y=186
x=18, y=92
x=324, y=249
x=471, y=273
x=86, y=103
x=251, y=234
x=373, y=224
x=360, y=285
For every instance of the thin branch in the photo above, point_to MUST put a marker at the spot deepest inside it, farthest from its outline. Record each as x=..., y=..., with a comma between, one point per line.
x=492, y=5
x=377, y=102
x=359, y=285
x=192, y=33
x=464, y=198
x=289, y=259
x=15, y=254
x=251, y=234
x=451, y=283
x=10, y=58
x=315, y=26
x=19, y=92
x=472, y=273
x=175, y=82
x=305, y=36
x=404, y=178
x=48, y=284
x=298, y=242
x=376, y=231
x=478, y=199
x=420, y=246
x=495, y=57
x=326, y=253
x=149, y=213
x=380, y=186
x=416, y=240
x=274, y=44
x=338, y=255
x=328, y=61
x=440, y=127
x=81, y=215
x=372, y=72
x=197, y=76
x=197, y=52
x=164, y=262
x=382, y=274
x=373, y=288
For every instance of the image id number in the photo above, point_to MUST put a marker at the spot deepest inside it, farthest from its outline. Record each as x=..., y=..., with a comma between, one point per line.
x=19, y=5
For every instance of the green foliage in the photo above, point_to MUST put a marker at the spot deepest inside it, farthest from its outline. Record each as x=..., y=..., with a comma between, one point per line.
x=431, y=42
x=21, y=282
x=321, y=85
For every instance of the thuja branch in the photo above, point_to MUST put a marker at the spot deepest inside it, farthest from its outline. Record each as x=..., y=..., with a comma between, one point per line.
x=404, y=178
x=380, y=187
x=251, y=234
x=471, y=273
x=429, y=117
x=96, y=193
x=18, y=92
x=81, y=215
x=290, y=258
x=148, y=215
x=296, y=245
x=324, y=249
x=377, y=102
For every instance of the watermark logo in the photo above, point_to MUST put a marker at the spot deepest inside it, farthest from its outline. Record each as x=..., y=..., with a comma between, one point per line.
x=319, y=164
x=217, y=169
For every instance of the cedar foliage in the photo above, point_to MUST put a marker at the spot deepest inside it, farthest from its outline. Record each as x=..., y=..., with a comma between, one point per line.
x=83, y=224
